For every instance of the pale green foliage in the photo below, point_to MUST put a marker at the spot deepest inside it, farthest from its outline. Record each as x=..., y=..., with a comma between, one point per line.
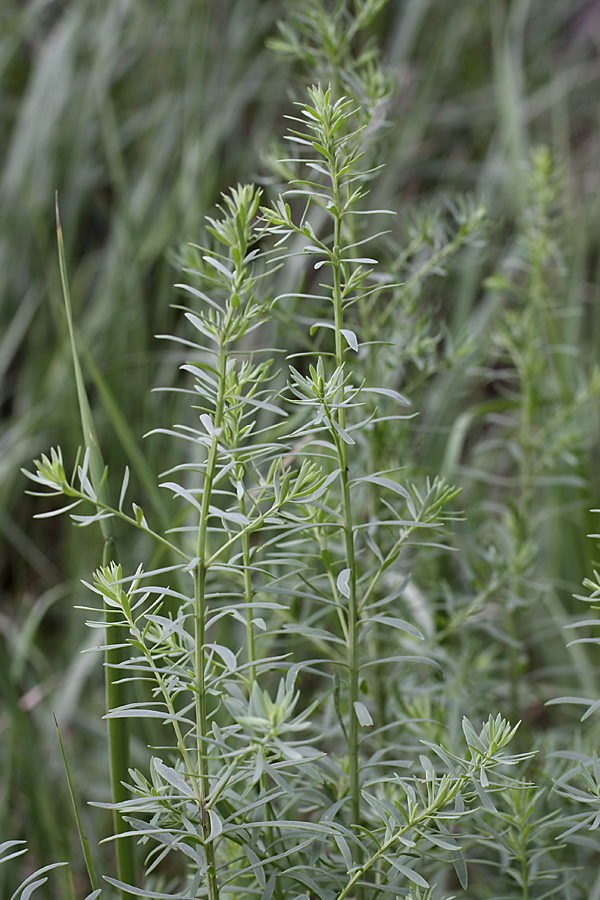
x=252, y=766
x=301, y=649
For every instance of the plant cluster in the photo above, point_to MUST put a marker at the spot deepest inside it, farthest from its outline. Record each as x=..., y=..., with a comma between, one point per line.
x=275, y=542
x=295, y=660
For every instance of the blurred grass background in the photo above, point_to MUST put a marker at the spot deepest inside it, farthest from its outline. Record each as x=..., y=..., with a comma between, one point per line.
x=139, y=114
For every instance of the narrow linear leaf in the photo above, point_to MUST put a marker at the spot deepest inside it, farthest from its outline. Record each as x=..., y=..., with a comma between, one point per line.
x=226, y=655
x=408, y=873
x=147, y=894
x=31, y=888
x=400, y=624
x=269, y=888
x=350, y=338
x=344, y=849
x=384, y=482
x=343, y=582
x=387, y=392
x=218, y=265
x=181, y=492
x=56, y=512
x=582, y=701
x=257, y=866
x=216, y=825
x=172, y=777
x=124, y=487
x=362, y=714
x=208, y=423
x=364, y=260
x=341, y=432
x=6, y=845
x=440, y=842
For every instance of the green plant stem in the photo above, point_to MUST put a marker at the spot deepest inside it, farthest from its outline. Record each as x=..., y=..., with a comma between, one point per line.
x=200, y=613
x=319, y=538
x=202, y=725
x=275, y=831
x=525, y=874
x=118, y=738
x=250, y=649
x=116, y=691
x=85, y=846
x=353, y=661
x=348, y=526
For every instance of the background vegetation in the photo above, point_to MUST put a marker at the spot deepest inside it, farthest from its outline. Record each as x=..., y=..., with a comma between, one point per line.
x=140, y=115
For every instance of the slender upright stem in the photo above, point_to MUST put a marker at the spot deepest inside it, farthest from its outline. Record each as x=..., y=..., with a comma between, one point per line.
x=352, y=613
x=250, y=649
x=200, y=614
x=352, y=650
x=118, y=736
x=116, y=690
